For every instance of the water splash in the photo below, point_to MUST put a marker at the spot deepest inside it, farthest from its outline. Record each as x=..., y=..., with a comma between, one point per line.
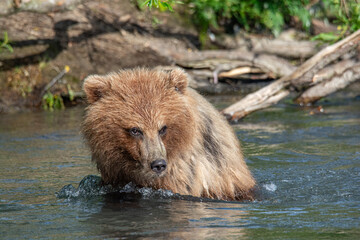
x=271, y=187
x=88, y=187
x=91, y=186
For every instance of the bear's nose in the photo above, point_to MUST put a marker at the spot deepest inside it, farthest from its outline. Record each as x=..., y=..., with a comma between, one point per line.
x=158, y=166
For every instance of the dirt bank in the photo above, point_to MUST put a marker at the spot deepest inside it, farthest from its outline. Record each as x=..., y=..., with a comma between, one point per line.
x=94, y=37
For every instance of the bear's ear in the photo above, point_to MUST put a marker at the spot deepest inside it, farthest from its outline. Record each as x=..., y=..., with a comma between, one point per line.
x=95, y=87
x=179, y=79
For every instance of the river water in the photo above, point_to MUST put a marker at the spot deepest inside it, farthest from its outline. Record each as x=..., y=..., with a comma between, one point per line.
x=307, y=165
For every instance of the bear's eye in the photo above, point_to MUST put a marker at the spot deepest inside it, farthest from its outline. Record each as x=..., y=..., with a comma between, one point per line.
x=135, y=132
x=162, y=131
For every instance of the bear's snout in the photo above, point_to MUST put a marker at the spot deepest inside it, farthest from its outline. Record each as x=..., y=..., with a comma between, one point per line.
x=158, y=166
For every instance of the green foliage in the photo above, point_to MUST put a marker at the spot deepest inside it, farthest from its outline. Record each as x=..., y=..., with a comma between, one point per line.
x=155, y=22
x=70, y=92
x=251, y=14
x=345, y=14
x=4, y=44
x=326, y=37
x=162, y=5
x=52, y=101
x=272, y=15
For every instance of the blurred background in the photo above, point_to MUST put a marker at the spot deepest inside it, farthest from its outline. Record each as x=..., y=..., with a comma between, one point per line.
x=48, y=47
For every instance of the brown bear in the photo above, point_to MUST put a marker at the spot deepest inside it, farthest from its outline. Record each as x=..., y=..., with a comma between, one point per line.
x=148, y=127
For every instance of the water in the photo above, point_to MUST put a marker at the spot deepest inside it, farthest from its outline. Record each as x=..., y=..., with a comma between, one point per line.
x=307, y=167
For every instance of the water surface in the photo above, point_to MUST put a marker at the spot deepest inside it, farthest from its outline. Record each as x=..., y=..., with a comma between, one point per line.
x=307, y=167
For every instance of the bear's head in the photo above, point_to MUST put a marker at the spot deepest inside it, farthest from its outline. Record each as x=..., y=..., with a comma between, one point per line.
x=137, y=121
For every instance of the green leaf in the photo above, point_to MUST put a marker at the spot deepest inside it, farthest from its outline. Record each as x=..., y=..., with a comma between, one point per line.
x=8, y=47
x=71, y=92
x=48, y=101
x=147, y=3
x=166, y=6
x=155, y=3
x=274, y=21
x=6, y=38
x=58, y=102
x=326, y=37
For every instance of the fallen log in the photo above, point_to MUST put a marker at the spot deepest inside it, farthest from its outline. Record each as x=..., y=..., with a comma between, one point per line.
x=332, y=70
x=283, y=48
x=286, y=46
x=220, y=61
x=331, y=85
x=300, y=79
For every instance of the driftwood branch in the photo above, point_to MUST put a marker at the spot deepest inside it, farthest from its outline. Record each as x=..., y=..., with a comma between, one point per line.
x=334, y=83
x=301, y=78
x=54, y=80
x=332, y=70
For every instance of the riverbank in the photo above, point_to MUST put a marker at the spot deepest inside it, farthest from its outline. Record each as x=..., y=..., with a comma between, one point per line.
x=102, y=36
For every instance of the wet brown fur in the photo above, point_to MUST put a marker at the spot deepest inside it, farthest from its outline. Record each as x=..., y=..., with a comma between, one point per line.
x=202, y=152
